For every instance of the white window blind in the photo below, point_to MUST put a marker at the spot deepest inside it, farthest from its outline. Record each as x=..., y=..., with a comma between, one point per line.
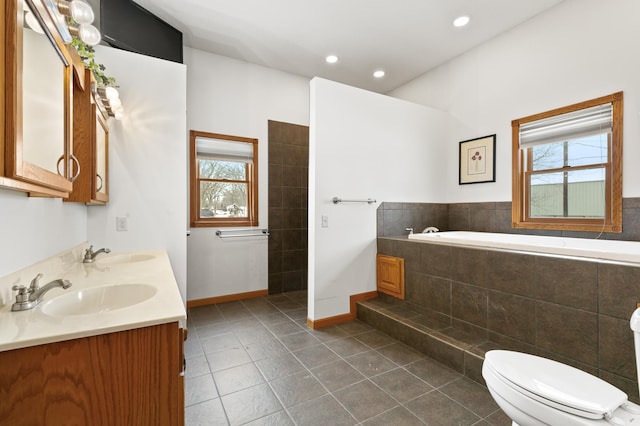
x=584, y=122
x=224, y=150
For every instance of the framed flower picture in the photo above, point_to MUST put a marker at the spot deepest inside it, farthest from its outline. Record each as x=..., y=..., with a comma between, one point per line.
x=477, y=160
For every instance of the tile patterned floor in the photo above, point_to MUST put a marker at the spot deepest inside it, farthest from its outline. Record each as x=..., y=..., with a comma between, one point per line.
x=256, y=362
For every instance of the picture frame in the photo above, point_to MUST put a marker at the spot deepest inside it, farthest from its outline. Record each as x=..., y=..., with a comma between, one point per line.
x=477, y=160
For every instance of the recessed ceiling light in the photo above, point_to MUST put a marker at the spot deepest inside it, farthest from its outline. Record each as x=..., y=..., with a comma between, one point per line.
x=332, y=59
x=378, y=74
x=461, y=21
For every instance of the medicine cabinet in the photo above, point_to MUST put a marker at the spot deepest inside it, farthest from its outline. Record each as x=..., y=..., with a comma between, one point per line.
x=90, y=143
x=36, y=146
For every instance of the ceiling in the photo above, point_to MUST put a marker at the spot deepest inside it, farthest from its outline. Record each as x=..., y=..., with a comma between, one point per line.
x=405, y=38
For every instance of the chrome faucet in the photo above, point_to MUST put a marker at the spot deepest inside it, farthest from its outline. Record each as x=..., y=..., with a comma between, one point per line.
x=430, y=229
x=90, y=255
x=410, y=230
x=29, y=298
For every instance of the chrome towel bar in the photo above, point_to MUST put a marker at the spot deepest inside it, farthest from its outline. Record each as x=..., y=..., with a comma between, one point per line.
x=240, y=234
x=337, y=200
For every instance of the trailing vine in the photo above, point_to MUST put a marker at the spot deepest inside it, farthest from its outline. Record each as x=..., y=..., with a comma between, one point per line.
x=87, y=54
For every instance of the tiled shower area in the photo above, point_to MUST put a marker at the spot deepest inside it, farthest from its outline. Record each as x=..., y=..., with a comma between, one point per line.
x=288, y=194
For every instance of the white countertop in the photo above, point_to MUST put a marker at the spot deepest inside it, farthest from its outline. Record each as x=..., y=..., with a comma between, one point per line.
x=34, y=327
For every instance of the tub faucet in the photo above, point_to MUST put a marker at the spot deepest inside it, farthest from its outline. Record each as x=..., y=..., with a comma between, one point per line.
x=430, y=229
x=29, y=298
x=90, y=255
x=410, y=230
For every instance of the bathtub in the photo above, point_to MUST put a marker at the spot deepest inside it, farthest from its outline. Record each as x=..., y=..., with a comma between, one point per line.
x=625, y=251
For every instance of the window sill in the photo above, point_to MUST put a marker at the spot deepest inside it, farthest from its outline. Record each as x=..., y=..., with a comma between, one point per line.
x=584, y=227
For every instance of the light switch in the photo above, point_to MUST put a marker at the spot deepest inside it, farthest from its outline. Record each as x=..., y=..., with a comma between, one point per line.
x=325, y=221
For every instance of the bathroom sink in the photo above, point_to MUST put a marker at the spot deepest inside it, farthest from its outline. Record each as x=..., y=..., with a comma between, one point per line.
x=123, y=258
x=97, y=300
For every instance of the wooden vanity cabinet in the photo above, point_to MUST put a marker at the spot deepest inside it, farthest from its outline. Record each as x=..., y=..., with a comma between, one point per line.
x=90, y=145
x=132, y=377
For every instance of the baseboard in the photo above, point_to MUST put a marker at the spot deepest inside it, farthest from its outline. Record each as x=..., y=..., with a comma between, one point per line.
x=339, y=319
x=226, y=298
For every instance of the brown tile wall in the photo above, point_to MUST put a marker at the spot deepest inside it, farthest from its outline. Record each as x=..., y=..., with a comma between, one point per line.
x=288, y=177
x=394, y=218
x=571, y=310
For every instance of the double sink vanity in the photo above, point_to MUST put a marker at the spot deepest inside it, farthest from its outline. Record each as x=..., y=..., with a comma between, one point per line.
x=96, y=343
x=106, y=350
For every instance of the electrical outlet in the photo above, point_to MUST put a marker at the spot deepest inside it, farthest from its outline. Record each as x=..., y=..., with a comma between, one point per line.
x=325, y=221
x=121, y=224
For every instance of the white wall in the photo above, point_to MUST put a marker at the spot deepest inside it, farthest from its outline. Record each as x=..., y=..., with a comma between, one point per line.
x=578, y=50
x=33, y=229
x=362, y=145
x=147, y=160
x=237, y=98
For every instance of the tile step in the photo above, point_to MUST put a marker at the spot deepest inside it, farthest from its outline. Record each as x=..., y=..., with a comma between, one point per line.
x=454, y=347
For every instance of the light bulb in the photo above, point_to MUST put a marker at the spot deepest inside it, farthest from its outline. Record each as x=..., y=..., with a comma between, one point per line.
x=81, y=12
x=461, y=21
x=89, y=34
x=32, y=22
x=118, y=115
x=115, y=103
x=111, y=93
x=378, y=74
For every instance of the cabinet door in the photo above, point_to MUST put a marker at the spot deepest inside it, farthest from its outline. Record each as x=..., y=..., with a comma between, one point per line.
x=39, y=78
x=91, y=144
x=101, y=160
x=125, y=378
x=390, y=275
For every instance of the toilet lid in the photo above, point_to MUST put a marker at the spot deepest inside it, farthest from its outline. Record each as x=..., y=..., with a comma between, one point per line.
x=562, y=386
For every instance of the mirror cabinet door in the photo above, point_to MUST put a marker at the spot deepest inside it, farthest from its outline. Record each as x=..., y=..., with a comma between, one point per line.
x=39, y=108
x=101, y=181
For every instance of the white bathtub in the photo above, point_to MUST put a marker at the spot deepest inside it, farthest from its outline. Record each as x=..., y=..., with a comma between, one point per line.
x=626, y=251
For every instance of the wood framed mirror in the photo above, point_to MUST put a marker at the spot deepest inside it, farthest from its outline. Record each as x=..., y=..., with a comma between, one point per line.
x=38, y=97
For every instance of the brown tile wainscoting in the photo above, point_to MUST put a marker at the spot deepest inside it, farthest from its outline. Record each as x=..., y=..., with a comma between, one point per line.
x=394, y=218
x=573, y=310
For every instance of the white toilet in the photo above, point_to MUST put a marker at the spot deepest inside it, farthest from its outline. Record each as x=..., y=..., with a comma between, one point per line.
x=536, y=391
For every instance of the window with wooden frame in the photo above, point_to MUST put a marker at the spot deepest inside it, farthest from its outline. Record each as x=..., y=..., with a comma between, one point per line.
x=567, y=167
x=224, y=180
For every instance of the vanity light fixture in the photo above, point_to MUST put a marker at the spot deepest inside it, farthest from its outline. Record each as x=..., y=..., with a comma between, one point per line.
x=378, y=74
x=110, y=99
x=332, y=59
x=87, y=33
x=109, y=93
x=81, y=15
x=461, y=21
x=78, y=10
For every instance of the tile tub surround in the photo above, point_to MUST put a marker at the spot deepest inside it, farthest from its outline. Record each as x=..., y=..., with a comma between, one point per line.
x=573, y=310
x=34, y=327
x=393, y=218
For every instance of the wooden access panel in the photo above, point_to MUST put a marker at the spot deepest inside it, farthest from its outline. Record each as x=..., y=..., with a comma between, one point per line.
x=390, y=275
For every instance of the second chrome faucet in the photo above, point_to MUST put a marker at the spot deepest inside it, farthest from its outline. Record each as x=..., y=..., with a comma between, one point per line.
x=90, y=255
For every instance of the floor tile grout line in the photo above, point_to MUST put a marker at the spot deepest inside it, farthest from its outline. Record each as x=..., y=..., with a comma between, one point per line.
x=230, y=318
